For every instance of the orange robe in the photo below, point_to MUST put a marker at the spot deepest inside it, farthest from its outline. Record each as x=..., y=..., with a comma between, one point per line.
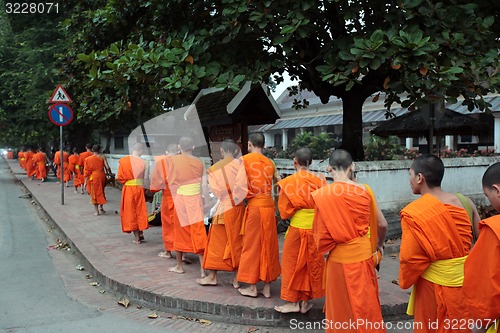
x=57, y=161
x=433, y=231
x=30, y=167
x=94, y=171
x=224, y=243
x=189, y=229
x=133, y=210
x=481, y=285
x=159, y=182
x=260, y=253
x=302, y=266
x=341, y=221
x=22, y=159
x=40, y=168
x=76, y=167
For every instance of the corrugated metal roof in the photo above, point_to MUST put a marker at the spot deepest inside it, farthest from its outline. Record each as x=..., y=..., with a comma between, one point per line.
x=368, y=116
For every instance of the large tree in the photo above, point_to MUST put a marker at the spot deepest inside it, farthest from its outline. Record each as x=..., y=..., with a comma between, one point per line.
x=143, y=56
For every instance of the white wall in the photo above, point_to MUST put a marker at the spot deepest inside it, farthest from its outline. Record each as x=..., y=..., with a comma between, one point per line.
x=389, y=179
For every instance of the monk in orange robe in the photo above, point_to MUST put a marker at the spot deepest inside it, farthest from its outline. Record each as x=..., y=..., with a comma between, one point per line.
x=302, y=266
x=260, y=253
x=96, y=179
x=481, y=286
x=436, y=239
x=187, y=182
x=76, y=169
x=340, y=228
x=40, y=160
x=159, y=182
x=66, y=172
x=30, y=166
x=22, y=159
x=132, y=171
x=88, y=152
x=224, y=244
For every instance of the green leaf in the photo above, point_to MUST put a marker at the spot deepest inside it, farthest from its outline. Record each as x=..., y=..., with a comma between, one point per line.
x=83, y=57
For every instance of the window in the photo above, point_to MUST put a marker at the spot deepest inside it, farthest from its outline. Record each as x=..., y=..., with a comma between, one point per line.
x=118, y=142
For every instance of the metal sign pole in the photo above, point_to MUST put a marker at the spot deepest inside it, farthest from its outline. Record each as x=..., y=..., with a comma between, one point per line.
x=62, y=162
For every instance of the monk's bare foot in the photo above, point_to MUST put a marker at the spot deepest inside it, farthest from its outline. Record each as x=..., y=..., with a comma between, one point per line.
x=266, y=291
x=235, y=283
x=288, y=308
x=305, y=306
x=136, y=241
x=249, y=292
x=165, y=254
x=96, y=214
x=176, y=269
x=207, y=281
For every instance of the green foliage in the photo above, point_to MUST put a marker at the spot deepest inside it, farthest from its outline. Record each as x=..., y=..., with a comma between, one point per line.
x=321, y=145
x=27, y=79
x=379, y=149
x=125, y=61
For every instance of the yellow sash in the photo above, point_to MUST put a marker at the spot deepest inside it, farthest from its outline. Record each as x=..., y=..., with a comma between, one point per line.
x=77, y=167
x=302, y=219
x=189, y=189
x=356, y=250
x=448, y=273
x=134, y=182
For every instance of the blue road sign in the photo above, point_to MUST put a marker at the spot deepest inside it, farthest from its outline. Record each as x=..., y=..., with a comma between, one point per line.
x=60, y=114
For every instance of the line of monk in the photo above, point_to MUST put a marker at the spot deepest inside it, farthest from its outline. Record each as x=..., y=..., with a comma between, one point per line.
x=448, y=256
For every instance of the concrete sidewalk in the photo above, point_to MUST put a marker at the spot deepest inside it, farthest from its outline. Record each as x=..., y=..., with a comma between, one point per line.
x=137, y=271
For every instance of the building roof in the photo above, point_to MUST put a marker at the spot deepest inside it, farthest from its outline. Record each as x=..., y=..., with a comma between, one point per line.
x=219, y=107
x=369, y=117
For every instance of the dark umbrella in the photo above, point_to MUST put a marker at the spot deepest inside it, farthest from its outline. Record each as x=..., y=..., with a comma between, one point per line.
x=417, y=124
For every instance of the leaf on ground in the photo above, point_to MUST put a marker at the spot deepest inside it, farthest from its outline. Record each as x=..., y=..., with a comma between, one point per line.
x=396, y=282
x=389, y=241
x=94, y=284
x=139, y=306
x=393, y=256
x=125, y=302
x=88, y=276
x=204, y=321
x=252, y=329
x=102, y=291
x=153, y=315
x=80, y=268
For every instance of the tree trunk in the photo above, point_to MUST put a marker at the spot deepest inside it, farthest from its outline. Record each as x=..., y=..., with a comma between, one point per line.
x=107, y=149
x=352, y=127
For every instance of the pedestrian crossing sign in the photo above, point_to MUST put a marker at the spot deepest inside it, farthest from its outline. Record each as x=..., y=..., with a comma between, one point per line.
x=60, y=96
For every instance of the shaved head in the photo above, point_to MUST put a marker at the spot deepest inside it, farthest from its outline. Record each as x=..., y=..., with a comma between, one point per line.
x=172, y=149
x=138, y=147
x=186, y=143
x=492, y=175
x=340, y=159
x=303, y=156
x=257, y=139
x=431, y=167
x=229, y=145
